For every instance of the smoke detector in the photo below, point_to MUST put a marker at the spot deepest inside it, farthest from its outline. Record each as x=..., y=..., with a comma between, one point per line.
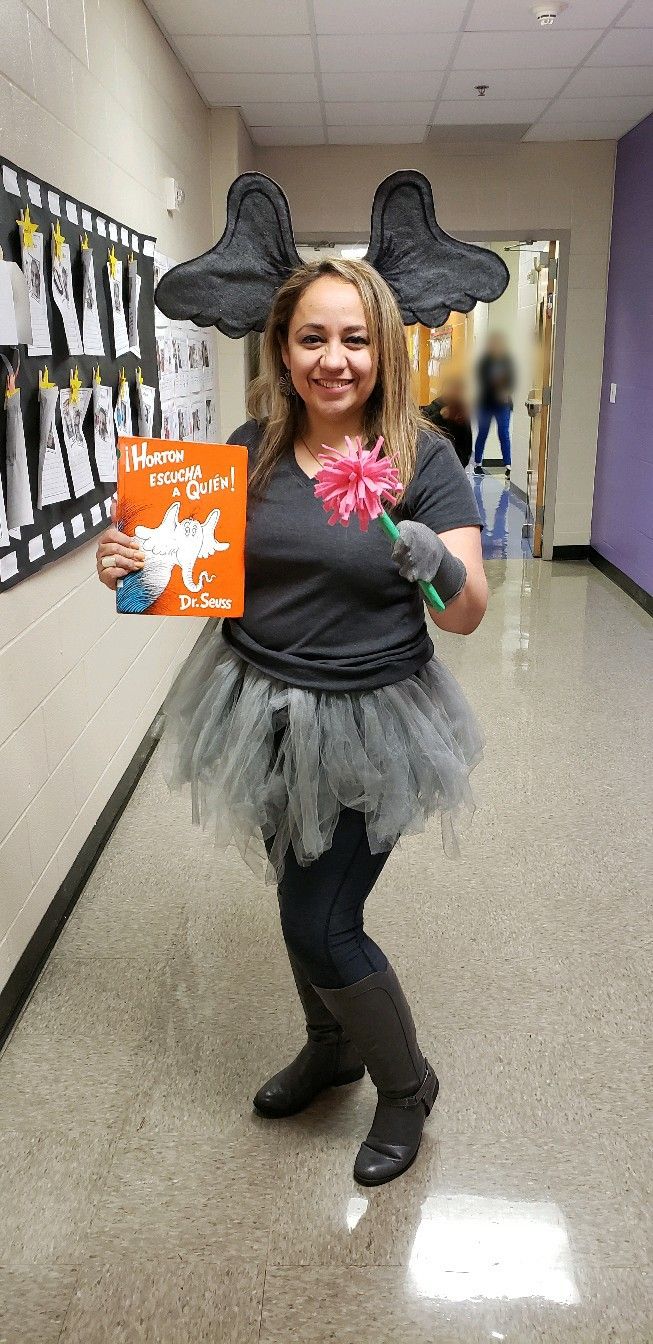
x=546, y=15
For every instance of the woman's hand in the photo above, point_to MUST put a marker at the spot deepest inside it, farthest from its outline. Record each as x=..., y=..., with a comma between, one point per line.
x=122, y=554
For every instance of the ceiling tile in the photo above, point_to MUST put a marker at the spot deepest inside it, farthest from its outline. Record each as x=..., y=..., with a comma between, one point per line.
x=231, y=90
x=517, y=15
x=470, y=111
x=363, y=87
x=605, y=81
x=375, y=135
x=412, y=53
x=231, y=16
x=638, y=15
x=502, y=51
x=387, y=16
x=282, y=114
x=599, y=110
x=518, y=83
x=625, y=46
x=577, y=130
x=287, y=135
x=285, y=55
x=378, y=114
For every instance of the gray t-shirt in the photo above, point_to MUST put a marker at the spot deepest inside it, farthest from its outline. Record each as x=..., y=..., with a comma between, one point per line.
x=326, y=607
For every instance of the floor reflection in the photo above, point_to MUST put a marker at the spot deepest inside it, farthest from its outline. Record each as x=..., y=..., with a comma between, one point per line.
x=502, y=514
x=469, y=1247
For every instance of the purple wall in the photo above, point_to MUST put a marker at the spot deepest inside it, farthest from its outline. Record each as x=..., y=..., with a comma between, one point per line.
x=622, y=518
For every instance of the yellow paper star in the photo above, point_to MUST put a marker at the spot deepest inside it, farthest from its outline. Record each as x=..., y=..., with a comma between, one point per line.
x=44, y=378
x=113, y=263
x=84, y=240
x=97, y=377
x=58, y=241
x=28, y=227
x=75, y=384
x=139, y=375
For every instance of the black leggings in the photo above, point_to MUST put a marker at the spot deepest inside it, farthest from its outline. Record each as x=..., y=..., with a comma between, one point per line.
x=321, y=906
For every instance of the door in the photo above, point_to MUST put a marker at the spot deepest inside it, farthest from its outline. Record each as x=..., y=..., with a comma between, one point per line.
x=538, y=401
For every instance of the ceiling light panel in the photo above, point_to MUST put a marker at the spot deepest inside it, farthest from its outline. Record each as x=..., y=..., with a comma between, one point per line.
x=365, y=86
x=468, y=111
x=386, y=16
x=517, y=15
x=410, y=52
x=625, y=46
x=228, y=55
x=232, y=17
x=231, y=90
x=517, y=83
x=544, y=48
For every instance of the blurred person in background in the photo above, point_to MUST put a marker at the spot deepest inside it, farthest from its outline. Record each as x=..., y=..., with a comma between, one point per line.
x=496, y=381
x=449, y=412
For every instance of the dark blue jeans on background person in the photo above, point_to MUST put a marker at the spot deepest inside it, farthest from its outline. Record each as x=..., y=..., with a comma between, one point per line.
x=321, y=906
x=485, y=416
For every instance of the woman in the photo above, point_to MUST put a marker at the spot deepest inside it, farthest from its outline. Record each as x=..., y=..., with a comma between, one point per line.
x=321, y=718
x=496, y=382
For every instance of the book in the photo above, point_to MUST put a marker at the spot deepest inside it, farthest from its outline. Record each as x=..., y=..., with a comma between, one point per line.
x=186, y=504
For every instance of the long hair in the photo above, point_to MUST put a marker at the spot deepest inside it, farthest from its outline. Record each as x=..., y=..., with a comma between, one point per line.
x=390, y=410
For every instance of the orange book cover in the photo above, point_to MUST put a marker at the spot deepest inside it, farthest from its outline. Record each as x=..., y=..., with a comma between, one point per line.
x=186, y=504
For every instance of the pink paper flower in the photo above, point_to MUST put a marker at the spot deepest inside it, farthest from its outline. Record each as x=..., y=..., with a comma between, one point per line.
x=357, y=483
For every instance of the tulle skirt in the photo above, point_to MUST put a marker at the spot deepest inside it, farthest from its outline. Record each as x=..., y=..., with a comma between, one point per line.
x=266, y=760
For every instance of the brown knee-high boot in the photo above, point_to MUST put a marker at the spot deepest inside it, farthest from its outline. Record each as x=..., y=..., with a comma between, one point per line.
x=374, y=1013
x=328, y=1059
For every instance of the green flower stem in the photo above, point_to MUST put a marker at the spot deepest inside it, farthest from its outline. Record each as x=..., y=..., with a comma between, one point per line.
x=433, y=598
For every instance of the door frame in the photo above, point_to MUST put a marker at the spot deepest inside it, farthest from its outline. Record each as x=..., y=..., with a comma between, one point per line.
x=512, y=235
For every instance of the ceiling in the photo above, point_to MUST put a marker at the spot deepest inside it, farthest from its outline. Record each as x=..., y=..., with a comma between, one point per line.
x=313, y=72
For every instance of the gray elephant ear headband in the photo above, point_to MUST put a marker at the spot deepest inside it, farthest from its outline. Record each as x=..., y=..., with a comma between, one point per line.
x=232, y=286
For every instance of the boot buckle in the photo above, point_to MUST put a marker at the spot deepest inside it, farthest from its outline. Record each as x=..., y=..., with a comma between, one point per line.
x=406, y=1103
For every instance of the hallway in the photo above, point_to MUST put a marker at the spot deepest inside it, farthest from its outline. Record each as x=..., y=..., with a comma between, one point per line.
x=143, y=1200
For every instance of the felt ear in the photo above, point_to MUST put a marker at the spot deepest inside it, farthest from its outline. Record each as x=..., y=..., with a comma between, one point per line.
x=232, y=286
x=430, y=273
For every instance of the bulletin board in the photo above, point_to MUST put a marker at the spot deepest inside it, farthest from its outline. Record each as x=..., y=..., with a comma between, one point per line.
x=64, y=525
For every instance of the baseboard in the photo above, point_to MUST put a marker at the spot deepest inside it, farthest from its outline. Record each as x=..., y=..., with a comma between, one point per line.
x=623, y=581
x=24, y=976
x=578, y=553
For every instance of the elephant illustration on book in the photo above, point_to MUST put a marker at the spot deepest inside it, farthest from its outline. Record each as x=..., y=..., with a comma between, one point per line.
x=174, y=542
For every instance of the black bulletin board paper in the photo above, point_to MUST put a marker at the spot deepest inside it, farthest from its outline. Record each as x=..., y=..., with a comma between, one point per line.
x=90, y=511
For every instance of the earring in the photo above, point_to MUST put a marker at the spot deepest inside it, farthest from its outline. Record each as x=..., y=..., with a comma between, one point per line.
x=285, y=385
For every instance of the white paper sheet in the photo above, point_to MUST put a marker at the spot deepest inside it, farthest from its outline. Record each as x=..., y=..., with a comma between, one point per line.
x=54, y=203
x=120, y=337
x=19, y=495
x=34, y=192
x=209, y=427
x=72, y=419
x=113, y=231
x=101, y=226
x=146, y=402
x=183, y=419
x=169, y=421
x=35, y=547
x=72, y=212
x=148, y=247
x=104, y=433
x=87, y=220
x=10, y=180
x=134, y=298
x=4, y=530
x=195, y=368
x=53, y=485
x=180, y=363
x=38, y=306
x=135, y=243
x=8, y=326
x=198, y=419
x=123, y=412
x=124, y=237
x=62, y=293
x=91, y=329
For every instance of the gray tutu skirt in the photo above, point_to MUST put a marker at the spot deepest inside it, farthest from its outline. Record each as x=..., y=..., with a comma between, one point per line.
x=264, y=759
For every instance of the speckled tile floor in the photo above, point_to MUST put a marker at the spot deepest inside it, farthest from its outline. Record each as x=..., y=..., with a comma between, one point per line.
x=143, y=1200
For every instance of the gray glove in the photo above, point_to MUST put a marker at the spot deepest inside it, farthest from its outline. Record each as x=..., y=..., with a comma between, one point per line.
x=420, y=554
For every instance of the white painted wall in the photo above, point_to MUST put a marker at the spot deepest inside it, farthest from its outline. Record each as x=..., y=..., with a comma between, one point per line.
x=92, y=99
x=484, y=192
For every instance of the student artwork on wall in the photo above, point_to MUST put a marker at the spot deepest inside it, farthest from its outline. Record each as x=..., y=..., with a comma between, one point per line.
x=78, y=358
x=188, y=380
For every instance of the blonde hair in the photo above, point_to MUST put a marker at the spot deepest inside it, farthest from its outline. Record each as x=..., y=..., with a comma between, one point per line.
x=390, y=410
